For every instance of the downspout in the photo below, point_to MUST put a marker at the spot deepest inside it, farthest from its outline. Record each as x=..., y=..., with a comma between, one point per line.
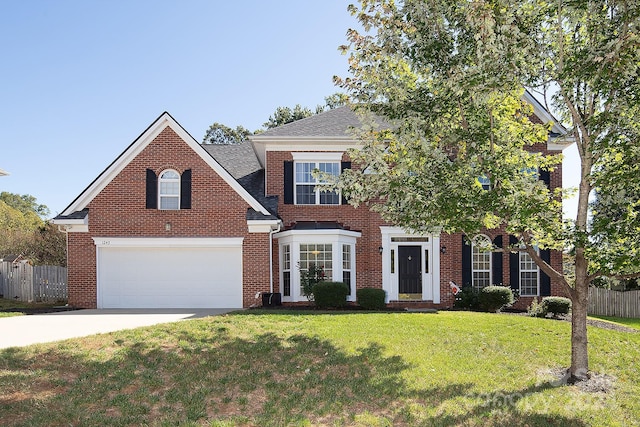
x=271, y=233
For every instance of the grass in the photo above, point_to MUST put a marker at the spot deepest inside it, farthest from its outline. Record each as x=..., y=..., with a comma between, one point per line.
x=266, y=368
x=6, y=304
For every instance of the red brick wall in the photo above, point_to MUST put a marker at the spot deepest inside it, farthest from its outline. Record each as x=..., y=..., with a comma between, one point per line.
x=119, y=211
x=368, y=258
x=369, y=262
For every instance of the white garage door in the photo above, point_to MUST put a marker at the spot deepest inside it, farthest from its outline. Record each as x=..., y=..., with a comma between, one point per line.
x=169, y=273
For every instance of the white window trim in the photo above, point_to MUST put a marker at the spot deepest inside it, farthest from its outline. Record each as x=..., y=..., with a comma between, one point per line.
x=520, y=271
x=473, y=269
x=160, y=195
x=337, y=238
x=316, y=161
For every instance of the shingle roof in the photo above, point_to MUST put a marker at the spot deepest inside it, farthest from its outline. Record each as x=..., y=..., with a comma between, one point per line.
x=330, y=123
x=241, y=162
x=238, y=159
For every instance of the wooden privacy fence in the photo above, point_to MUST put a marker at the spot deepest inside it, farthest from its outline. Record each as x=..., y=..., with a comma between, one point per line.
x=41, y=283
x=605, y=302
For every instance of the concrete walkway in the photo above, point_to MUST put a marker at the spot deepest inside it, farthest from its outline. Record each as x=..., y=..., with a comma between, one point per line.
x=19, y=331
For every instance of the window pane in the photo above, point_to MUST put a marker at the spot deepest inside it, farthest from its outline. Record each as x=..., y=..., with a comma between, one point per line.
x=346, y=279
x=318, y=255
x=286, y=258
x=480, y=262
x=170, y=187
x=286, y=284
x=346, y=257
x=169, y=203
x=303, y=172
x=305, y=195
x=169, y=175
x=329, y=198
x=330, y=168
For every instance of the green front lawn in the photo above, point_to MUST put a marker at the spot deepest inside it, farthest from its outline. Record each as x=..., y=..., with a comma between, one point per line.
x=278, y=368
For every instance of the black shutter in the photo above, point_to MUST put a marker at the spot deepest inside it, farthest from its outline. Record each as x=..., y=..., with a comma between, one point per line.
x=496, y=262
x=545, y=176
x=466, y=263
x=185, y=190
x=343, y=166
x=545, y=281
x=288, y=182
x=152, y=190
x=514, y=265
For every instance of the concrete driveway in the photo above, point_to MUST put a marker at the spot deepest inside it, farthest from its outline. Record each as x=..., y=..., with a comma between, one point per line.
x=19, y=331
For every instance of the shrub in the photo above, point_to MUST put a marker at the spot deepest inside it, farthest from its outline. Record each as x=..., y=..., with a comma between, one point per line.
x=330, y=294
x=536, y=309
x=309, y=279
x=556, y=305
x=371, y=298
x=467, y=299
x=493, y=298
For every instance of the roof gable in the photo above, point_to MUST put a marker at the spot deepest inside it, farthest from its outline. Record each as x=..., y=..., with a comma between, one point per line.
x=137, y=146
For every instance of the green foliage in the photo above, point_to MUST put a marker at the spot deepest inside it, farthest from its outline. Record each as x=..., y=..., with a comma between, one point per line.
x=448, y=77
x=221, y=134
x=556, y=305
x=330, y=294
x=309, y=278
x=371, y=298
x=284, y=115
x=494, y=298
x=24, y=232
x=25, y=203
x=536, y=309
x=467, y=299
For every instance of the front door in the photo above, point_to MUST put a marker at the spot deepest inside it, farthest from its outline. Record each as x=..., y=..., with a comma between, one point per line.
x=410, y=272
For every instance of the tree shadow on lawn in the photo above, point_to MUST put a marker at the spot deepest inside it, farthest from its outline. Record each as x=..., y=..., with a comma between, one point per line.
x=171, y=375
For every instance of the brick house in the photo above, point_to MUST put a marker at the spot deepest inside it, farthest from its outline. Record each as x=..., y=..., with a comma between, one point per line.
x=172, y=223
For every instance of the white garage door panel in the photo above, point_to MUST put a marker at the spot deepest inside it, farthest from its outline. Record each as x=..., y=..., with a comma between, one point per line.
x=130, y=277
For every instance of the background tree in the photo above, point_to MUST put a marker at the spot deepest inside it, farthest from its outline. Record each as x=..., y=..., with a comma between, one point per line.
x=449, y=75
x=284, y=115
x=221, y=134
x=24, y=231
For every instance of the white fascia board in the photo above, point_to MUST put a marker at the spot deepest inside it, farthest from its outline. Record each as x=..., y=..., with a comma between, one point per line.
x=140, y=144
x=324, y=156
x=263, y=144
x=263, y=226
x=168, y=242
x=75, y=225
x=316, y=233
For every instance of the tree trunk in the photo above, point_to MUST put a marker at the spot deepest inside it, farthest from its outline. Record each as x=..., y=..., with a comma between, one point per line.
x=579, y=355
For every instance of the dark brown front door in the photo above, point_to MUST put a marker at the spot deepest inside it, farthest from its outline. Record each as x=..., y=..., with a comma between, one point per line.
x=410, y=272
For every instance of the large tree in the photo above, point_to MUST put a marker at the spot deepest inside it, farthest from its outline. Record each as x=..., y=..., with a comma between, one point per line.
x=449, y=75
x=25, y=231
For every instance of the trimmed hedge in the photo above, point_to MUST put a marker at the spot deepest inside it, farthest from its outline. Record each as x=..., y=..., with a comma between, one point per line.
x=330, y=294
x=371, y=298
x=493, y=298
x=556, y=305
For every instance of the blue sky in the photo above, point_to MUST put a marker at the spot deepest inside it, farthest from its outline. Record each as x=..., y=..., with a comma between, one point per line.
x=82, y=79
